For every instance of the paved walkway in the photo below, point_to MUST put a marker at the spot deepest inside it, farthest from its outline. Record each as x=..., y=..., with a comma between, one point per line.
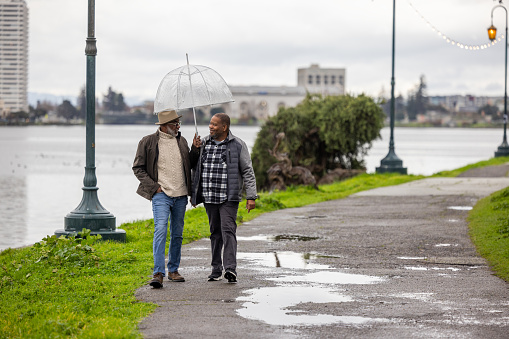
x=392, y=262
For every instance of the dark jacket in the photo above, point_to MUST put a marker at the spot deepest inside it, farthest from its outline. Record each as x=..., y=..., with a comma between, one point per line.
x=145, y=163
x=239, y=171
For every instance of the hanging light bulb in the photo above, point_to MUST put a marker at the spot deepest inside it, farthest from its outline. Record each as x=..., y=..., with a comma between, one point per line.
x=492, y=33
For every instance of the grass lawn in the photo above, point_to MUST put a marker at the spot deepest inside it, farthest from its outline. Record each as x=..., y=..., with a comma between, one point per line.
x=84, y=288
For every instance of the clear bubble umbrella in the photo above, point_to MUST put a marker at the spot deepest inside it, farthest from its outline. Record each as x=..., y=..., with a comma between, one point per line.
x=191, y=86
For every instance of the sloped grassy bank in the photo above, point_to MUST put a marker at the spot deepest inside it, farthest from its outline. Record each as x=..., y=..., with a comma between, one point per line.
x=84, y=288
x=489, y=230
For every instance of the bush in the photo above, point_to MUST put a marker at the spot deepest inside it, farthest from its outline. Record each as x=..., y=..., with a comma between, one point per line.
x=321, y=134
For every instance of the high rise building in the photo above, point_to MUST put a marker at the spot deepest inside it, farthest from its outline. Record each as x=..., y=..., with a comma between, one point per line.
x=13, y=56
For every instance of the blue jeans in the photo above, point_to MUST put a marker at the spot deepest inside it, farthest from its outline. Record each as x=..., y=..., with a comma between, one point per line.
x=174, y=209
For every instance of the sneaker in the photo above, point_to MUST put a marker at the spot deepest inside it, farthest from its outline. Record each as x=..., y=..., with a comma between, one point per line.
x=215, y=276
x=231, y=275
x=175, y=276
x=157, y=280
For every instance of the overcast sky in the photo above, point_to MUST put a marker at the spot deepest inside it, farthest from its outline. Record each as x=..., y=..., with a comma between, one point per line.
x=264, y=42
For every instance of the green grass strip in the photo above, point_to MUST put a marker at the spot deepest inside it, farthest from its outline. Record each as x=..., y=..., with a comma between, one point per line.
x=456, y=172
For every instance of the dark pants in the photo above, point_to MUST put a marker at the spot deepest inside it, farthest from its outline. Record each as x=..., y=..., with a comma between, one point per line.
x=223, y=230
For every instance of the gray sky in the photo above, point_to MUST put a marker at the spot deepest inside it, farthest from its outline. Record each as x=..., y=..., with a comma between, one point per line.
x=264, y=42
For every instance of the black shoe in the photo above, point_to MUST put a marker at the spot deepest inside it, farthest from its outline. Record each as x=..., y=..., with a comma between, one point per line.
x=215, y=276
x=231, y=275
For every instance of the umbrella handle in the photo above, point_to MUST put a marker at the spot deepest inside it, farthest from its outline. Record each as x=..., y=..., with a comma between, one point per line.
x=192, y=96
x=195, y=126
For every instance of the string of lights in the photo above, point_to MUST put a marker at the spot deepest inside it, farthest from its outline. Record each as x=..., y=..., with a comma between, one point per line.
x=451, y=41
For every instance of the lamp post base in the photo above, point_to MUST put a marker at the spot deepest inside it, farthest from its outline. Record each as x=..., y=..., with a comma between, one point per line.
x=502, y=151
x=391, y=164
x=91, y=215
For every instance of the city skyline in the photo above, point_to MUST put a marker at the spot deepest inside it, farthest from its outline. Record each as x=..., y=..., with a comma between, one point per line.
x=265, y=43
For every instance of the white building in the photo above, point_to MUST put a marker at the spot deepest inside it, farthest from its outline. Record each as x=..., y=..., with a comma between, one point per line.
x=262, y=102
x=13, y=55
x=327, y=81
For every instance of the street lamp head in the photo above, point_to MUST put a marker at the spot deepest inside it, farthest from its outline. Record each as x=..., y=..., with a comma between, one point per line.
x=492, y=33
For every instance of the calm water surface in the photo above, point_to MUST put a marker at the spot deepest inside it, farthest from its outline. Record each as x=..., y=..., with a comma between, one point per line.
x=42, y=169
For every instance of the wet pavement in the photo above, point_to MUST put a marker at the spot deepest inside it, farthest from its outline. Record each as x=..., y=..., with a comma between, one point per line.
x=393, y=262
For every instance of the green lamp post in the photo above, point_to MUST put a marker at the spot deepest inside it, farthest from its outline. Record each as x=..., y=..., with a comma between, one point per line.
x=90, y=214
x=503, y=149
x=391, y=163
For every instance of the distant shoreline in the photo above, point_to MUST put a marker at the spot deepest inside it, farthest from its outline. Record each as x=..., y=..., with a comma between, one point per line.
x=397, y=124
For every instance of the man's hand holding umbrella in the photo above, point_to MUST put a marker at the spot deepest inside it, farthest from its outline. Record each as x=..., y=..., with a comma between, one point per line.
x=196, y=141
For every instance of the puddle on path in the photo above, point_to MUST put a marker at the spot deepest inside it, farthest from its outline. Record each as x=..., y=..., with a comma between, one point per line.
x=199, y=248
x=310, y=216
x=293, y=237
x=328, y=277
x=281, y=237
x=460, y=208
x=253, y=238
x=415, y=268
x=272, y=306
x=284, y=260
x=279, y=305
x=421, y=268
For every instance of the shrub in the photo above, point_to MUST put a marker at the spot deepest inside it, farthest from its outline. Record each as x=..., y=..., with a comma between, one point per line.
x=321, y=134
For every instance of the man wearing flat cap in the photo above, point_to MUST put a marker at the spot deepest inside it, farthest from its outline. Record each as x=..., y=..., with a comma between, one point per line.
x=162, y=165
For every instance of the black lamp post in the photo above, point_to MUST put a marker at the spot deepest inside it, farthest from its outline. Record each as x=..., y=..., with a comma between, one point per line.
x=391, y=163
x=503, y=149
x=90, y=214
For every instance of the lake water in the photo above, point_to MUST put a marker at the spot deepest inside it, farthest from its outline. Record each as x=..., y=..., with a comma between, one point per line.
x=42, y=169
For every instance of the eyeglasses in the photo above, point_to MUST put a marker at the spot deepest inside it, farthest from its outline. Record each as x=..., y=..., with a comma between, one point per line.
x=174, y=123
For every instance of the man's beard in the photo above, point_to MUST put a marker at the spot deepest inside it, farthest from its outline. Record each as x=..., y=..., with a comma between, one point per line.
x=171, y=132
x=215, y=135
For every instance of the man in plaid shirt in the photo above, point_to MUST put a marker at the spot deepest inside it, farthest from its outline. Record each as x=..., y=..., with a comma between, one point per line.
x=222, y=170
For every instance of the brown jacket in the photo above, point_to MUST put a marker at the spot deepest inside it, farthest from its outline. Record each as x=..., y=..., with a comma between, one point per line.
x=145, y=164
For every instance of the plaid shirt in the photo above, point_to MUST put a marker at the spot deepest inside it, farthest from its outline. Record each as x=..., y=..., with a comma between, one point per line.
x=214, y=174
